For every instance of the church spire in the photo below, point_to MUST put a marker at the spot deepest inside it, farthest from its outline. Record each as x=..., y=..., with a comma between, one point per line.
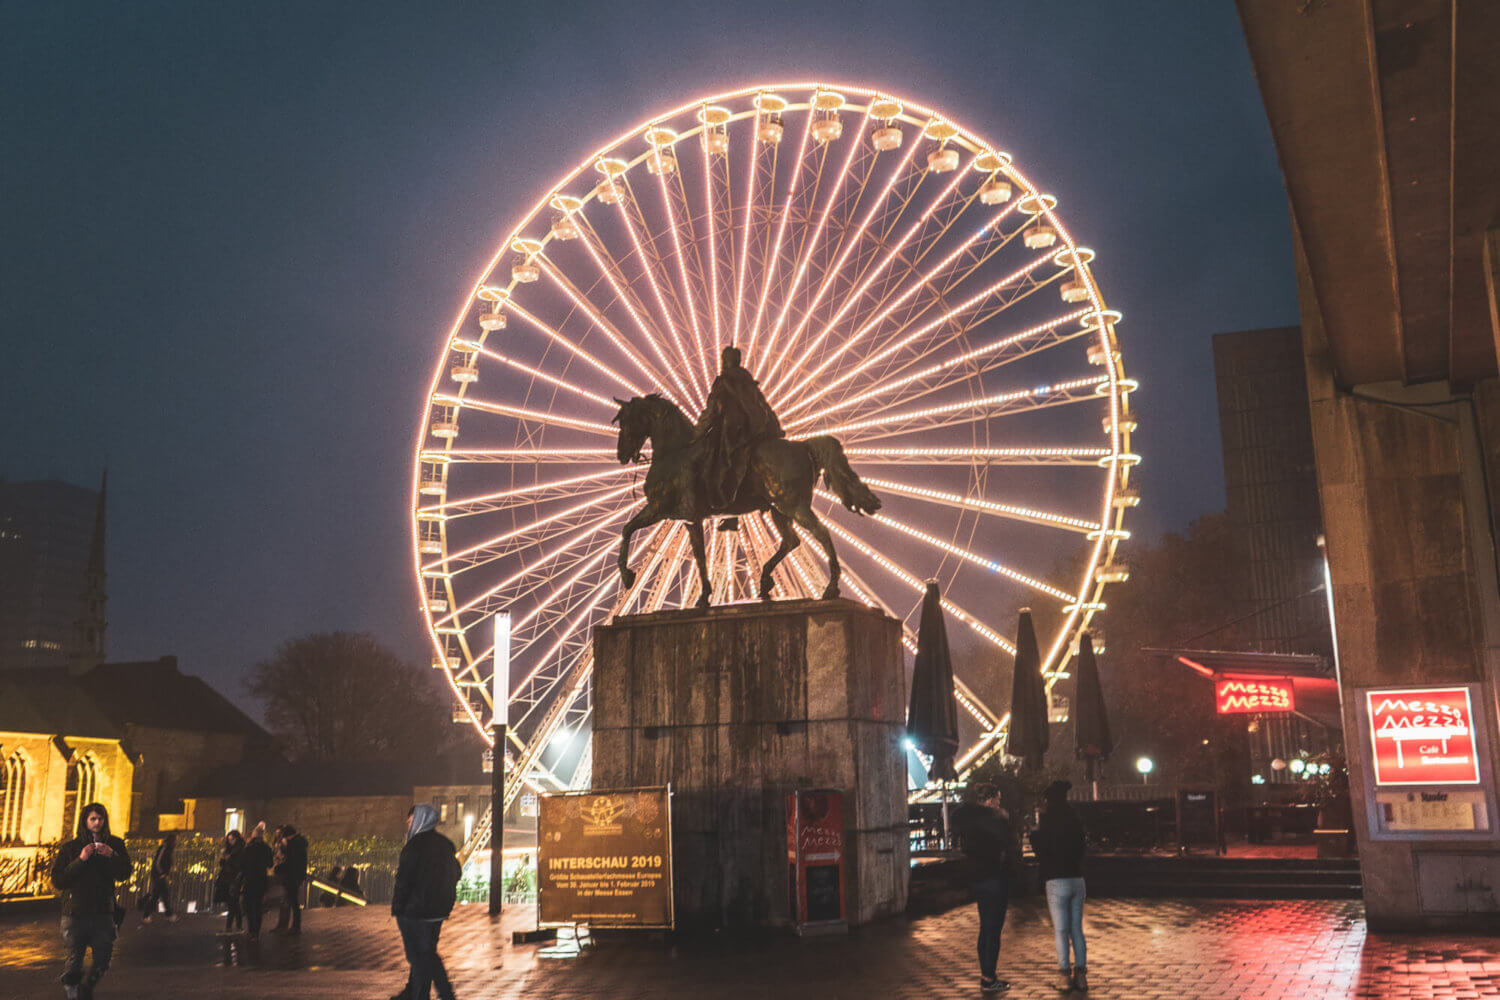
x=88, y=630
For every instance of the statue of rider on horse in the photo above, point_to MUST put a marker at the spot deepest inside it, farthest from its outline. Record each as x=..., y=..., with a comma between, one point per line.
x=735, y=460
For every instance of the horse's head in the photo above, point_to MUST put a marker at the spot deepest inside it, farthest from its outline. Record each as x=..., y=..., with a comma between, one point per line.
x=635, y=429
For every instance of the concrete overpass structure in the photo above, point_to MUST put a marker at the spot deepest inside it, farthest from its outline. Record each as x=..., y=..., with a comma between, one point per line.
x=1386, y=118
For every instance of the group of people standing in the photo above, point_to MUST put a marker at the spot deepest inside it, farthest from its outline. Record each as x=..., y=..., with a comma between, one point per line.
x=992, y=847
x=248, y=869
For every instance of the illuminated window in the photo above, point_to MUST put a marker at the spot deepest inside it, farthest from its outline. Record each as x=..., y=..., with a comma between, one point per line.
x=234, y=819
x=12, y=797
x=81, y=789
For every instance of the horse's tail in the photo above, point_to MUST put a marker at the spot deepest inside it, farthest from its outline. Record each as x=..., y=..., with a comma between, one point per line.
x=839, y=477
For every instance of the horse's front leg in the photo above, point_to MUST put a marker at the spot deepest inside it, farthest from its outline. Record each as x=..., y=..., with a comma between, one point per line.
x=647, y=515
x=700, y=556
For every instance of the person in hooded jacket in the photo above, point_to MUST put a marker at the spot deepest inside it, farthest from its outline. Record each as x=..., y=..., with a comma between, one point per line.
x=1058, y=843
x=255, y=864
x=159, y=882
x=84, y=874
x=984, y=832
x=426, y=889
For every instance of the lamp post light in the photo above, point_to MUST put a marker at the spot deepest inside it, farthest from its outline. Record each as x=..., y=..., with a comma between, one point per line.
x=500, y=696
x=1144, y=765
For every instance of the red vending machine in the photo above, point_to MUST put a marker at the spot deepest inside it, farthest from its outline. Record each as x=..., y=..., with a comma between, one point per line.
x=815, y=860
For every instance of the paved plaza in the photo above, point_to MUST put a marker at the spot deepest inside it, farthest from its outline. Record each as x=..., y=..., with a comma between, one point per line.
x=1139, y=950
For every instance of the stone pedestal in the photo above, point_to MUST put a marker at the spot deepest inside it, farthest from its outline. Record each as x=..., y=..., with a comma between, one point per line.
x=735, y=707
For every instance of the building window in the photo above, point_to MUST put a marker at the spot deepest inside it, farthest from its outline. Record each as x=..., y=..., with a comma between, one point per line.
x=234, y=819
x=442, y=809
x=82, y=788
x=12, y=797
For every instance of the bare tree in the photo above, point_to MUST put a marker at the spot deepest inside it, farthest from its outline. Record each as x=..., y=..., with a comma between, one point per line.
x=344, y=696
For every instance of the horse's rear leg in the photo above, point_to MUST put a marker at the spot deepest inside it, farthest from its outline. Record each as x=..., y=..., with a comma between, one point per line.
x=789, y=541
x=804, y=516
x=700, y=556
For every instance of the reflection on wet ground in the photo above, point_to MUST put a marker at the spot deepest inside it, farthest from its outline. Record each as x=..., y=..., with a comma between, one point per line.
x=1176, y=949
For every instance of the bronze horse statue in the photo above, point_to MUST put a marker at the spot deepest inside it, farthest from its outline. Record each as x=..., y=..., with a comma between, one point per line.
x=780, y=479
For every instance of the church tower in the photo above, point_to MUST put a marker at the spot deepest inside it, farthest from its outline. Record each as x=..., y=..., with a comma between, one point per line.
x=88, y=630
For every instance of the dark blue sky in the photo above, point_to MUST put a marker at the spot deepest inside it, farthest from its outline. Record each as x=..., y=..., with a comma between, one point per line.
x=235, y=235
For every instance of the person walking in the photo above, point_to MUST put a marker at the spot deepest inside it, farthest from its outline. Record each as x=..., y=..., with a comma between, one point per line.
x=1058, y=842
x=159, y=881
x=983, y=828
x=84, y=874
x=291, y=872
x=426, y=889
x=230, y=880
x=254, y=878
x=349, y=884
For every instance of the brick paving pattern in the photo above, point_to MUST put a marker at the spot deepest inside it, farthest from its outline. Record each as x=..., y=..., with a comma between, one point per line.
x=1138, y=950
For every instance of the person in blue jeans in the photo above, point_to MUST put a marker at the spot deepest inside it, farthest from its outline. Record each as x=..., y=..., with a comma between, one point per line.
x=426, y=889
x=983, y=827
x=1058, y=843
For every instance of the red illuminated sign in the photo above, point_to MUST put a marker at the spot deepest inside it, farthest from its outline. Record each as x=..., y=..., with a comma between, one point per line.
x=1423, y=736
x=1235, y=695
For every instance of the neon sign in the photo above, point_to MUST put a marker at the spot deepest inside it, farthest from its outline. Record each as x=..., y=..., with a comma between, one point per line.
x=1237, y=695
x=1423, y=736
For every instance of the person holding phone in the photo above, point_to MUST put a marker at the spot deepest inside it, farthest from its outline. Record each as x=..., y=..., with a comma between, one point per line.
x=84, y=874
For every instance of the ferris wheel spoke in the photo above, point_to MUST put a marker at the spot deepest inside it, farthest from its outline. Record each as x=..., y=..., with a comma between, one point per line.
x=963, y=553
x=682, y=273
x=489, y=549
x=772, y=266
x=536, y=373
x=535, y=492
x=972, y=410
x=571, y=347
x=1013, y=512
x=751, y=176
x=522, y=413
x=507, y=456
x=711, y=225
x=1085, y=456
x=996, y=353
x=811, y=243
x=609, y=330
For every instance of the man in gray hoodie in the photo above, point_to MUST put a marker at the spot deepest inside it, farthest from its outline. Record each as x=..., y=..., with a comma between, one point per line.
x=426, y=888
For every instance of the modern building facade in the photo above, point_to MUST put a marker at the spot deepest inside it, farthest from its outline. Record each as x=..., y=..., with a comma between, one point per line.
x=52, y=611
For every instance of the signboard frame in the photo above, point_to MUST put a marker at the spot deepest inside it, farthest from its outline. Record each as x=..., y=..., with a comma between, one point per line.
x=668, y=867
x=1482, y=793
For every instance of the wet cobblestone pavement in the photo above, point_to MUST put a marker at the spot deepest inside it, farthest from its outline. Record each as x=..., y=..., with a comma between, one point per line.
x=1138, y=950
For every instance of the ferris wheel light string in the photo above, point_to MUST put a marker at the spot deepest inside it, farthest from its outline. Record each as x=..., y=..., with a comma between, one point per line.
x=531, y=488
x=773, y=261
x=848, y=246
x=568, y=345
x=561, y=383
x=986, y=506
x=521, y=413
x=696, y=394
x=893, y=346
x=708, y=199
x=992, y=346
x=810, y=246
x=540, y=522
x=968, y=404
x=584, y=534
x=750, y=178
x=536, y=455
x=868, y=279
x=608, y=328
x=963, y=553
x=687, y=288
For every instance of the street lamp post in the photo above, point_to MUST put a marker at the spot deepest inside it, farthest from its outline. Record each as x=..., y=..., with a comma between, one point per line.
x=501, y=700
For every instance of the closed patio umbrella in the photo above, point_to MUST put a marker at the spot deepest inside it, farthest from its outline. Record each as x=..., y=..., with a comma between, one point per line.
x=932, y=717
x=1028, y=699
x=1091, y=738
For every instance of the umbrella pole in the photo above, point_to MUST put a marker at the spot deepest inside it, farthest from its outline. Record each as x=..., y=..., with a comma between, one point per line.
x=947, y=840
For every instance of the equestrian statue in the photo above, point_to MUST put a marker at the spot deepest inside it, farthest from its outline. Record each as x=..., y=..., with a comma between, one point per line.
x=735, y=460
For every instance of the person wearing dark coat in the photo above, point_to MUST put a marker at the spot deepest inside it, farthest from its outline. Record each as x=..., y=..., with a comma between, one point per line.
x=84, y=874
x=426, y=888
x=229, y=883
x=255, y=866
x=984, y=832
x=159, y=882
x=291, y=872
x=349, y=883
x=326, y=897
x=1058, y=842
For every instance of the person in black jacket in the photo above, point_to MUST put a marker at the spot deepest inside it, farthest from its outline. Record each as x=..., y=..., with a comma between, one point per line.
x=159, y=882
x=291, y=872
x=983, y=828
x=1058, y=843
x=229, y=882
x=426, y=889
x=84, y=874
x=255, y=866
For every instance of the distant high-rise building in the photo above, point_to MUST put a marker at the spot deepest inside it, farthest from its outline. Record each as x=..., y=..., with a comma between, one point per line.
x=52, y=564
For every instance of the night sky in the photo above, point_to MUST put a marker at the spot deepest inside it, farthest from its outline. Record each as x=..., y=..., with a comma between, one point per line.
x=236, y=234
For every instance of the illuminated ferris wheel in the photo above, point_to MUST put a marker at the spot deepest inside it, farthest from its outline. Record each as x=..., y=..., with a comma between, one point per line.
x=891, y=277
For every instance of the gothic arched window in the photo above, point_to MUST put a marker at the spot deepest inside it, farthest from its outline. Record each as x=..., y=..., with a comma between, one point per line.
x=12, y=797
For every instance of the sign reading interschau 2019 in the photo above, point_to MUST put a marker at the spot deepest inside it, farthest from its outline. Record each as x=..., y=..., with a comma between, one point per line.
x=605, y=858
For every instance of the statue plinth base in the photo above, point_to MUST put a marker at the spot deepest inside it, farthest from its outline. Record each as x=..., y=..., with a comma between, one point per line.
x=736, y=706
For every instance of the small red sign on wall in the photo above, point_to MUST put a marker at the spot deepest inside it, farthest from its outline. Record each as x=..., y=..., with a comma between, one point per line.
x=1236, y=695
x=1423, y=736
